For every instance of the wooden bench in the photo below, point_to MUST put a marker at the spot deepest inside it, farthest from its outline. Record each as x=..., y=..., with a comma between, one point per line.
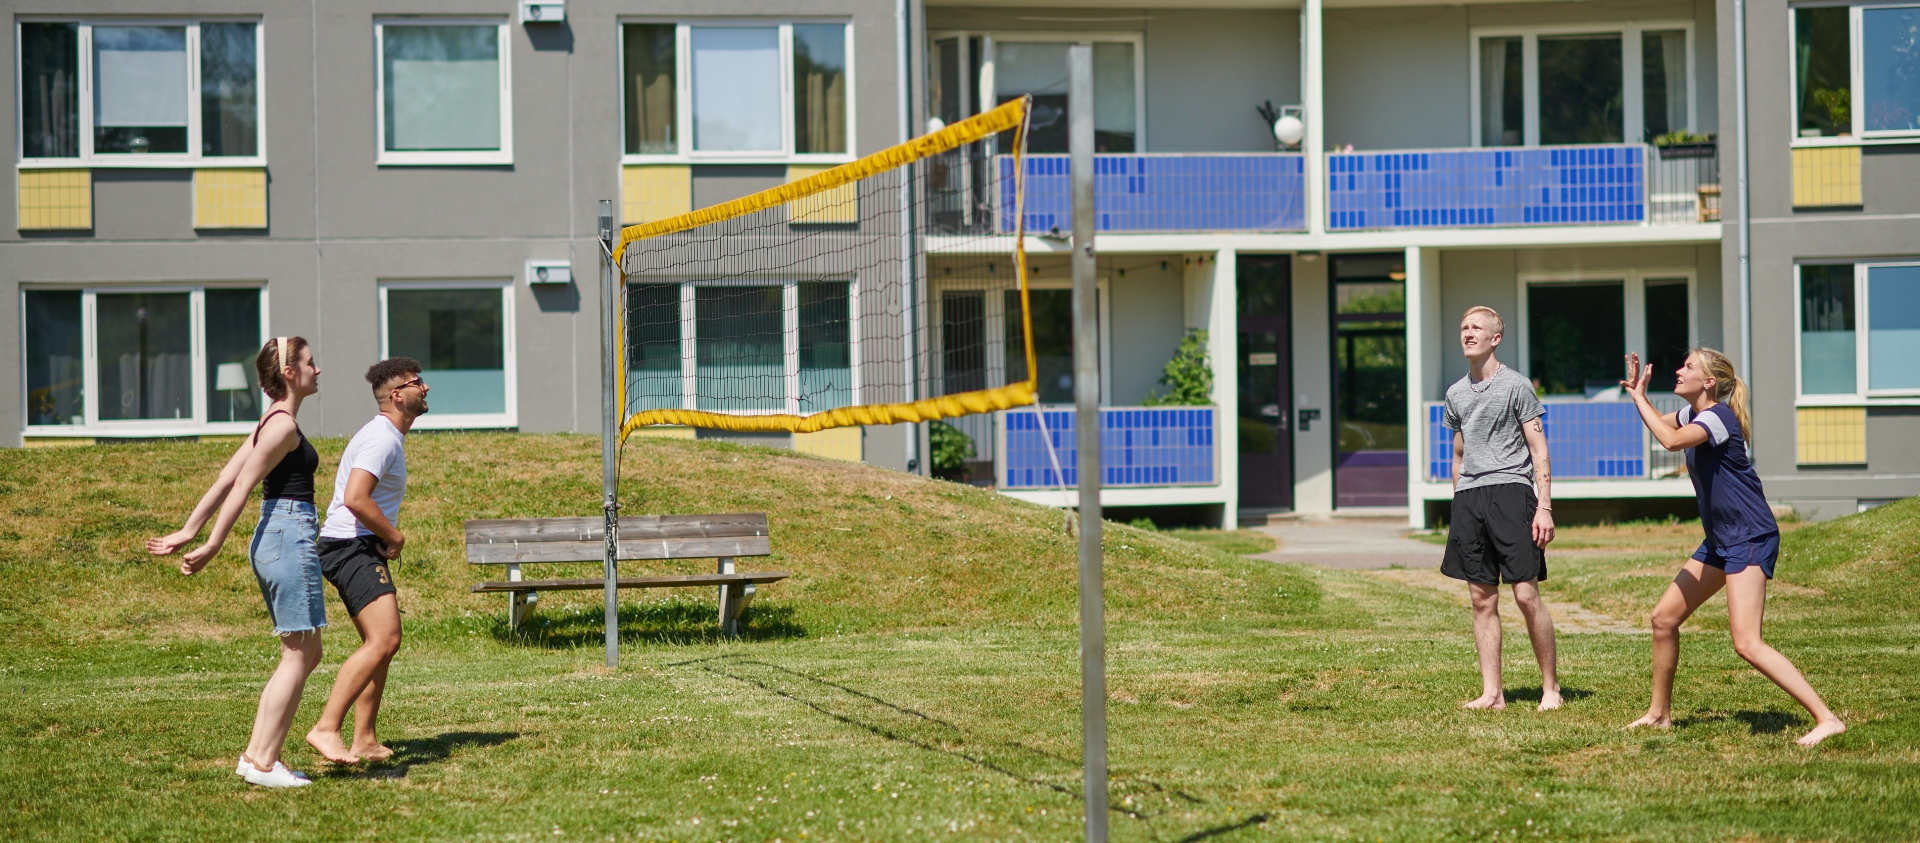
x=514, y=542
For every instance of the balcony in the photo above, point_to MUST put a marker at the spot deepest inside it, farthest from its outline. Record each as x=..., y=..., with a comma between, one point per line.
x=1139, y=446
x=1165, y=193
x=1586, y=441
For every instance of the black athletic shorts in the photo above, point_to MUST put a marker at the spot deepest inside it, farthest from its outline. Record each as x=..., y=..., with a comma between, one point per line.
x=1491, y=539
x=357, y=571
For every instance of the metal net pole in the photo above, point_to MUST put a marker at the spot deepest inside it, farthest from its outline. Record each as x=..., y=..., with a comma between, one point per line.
x=1086, y=395
x=609, y=426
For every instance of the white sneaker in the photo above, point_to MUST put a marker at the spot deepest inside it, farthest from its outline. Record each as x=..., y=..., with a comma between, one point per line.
x=279, y=776
x=241, y=767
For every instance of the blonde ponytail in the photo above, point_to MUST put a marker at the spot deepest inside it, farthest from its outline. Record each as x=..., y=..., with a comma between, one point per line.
x=1728, y=388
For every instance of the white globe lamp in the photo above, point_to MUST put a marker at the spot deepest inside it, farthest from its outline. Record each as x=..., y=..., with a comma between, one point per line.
x=1289, y=130
x=935, y=124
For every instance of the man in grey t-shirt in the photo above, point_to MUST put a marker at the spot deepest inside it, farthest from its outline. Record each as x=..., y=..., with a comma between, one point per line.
x=1502, y=505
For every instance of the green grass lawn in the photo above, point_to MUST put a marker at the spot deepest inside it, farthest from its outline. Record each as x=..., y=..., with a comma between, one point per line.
x=916, y=679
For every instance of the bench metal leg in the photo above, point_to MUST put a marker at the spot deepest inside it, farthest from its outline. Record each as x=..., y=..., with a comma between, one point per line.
x=519, y=603
x=734, y=598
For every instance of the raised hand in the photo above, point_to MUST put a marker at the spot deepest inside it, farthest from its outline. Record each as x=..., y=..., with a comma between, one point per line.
x=167, y=544
x=1638, y=376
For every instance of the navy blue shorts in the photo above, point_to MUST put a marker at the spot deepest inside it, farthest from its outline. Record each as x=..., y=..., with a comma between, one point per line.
x=1734, y=558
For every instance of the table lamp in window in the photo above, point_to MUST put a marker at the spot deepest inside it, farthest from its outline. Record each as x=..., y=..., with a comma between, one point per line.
x=230, y=378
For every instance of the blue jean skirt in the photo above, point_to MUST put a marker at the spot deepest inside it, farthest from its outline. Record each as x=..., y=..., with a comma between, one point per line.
x=286, y=561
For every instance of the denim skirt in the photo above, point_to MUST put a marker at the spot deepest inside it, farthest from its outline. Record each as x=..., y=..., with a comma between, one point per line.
x=286, y=561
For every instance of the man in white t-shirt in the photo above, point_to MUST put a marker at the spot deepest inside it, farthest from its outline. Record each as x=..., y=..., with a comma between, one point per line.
x=360, y=537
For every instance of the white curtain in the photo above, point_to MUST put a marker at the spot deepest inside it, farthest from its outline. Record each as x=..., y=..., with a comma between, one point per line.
x=1113, y=87
x=736, y=89
x=442, y=87
x=1493, y=94
x=140, y=75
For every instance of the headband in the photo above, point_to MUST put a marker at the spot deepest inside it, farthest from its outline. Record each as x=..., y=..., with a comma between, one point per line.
x=284, y=362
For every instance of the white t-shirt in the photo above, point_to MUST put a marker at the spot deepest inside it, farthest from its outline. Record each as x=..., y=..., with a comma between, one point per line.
x=380, y=450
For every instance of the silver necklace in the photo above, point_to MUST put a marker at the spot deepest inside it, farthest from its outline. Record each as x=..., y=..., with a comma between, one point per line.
x=1485, y=384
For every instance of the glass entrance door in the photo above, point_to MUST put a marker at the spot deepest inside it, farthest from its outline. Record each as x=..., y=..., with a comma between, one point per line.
x=1263, y=340
x=1370, y=379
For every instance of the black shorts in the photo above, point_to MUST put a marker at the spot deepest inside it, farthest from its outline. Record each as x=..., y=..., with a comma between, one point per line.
x=357, y=571
x=1491, y=539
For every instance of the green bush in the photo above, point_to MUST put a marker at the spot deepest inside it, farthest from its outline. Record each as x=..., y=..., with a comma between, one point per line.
x=1188, y=376
x=952, y=450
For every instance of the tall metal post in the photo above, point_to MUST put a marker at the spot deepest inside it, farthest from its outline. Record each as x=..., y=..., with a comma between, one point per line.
x=1086, y=400
x=1740, y=165
x=609, y=425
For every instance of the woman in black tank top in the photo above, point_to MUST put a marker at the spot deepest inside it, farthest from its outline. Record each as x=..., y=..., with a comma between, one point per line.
x=285, y=557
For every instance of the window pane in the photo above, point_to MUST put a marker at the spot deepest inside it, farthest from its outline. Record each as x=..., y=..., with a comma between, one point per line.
x=456, y=335
x=1263, y=284
x=1890, y=68
x=1667, y=341
x=1502, y=112
x=1822, y=77
x=1052, y=343
x=1663, y=81
x=49, y=90
x=55, y=373
x=1576, y=336
x=736, y=89
x=826, y=373
x=442, y=87
x=140, y=89
x=650, y=82
x=1113, y=117
x=1580, y=90
x=1040, y=69
x=738, y=340
x=146, y=356
x=1828, y=357
x=228, y=90
x=963, y=342
x=944, y=82
x=653, y=347
x=233, y=341
x=819, y=87
x=1893, y=327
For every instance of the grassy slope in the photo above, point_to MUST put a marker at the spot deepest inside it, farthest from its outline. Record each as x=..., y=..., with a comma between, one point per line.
x=916, y=678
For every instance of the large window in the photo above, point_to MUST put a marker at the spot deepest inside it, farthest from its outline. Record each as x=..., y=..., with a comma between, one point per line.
x=444, y=92
x=737, y=90
x=764, y=347
x=1582, y=85
x=1859, y=331
x=1856, y=71
x=1574, y=331
x=461, y=334
x=143, y=360
x=971, y=73
x=982, y=343
x=140, y=94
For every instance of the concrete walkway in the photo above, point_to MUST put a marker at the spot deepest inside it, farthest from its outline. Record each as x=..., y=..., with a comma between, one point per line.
x=1350, y=543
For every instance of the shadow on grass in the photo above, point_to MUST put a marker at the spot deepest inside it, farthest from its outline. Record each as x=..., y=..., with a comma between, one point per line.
x=415, y=751
x=902, y=724
x=1758, y=722
x=1216, y=831
x=1533, y=694
x=677, y=622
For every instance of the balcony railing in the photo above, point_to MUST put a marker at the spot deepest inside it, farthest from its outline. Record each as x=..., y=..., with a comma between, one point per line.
x=1586, y=440
x=1139, y=446
x=1166, y=192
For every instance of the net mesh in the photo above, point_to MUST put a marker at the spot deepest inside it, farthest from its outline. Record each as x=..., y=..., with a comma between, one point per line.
x=800, y=308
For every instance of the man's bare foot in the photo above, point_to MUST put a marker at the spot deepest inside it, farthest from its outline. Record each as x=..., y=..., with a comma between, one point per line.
x=330, y=747
x=1651, y=720
x=1821, y=732
x=1549, y=700
x=1487, y=702
x=377, y=752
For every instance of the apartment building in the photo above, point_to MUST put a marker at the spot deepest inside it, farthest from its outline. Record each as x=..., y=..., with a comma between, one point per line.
x=1570, y=164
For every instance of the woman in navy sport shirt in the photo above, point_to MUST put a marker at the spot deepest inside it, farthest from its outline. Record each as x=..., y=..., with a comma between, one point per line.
x=1742, y=538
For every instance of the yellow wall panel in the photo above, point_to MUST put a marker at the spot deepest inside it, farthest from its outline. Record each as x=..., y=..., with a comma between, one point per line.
x=1832, y=435
x=230, y=198
x=56, y=199
x=838, y=206
x=1826, y=176
x=839, y=443
x=650, y=192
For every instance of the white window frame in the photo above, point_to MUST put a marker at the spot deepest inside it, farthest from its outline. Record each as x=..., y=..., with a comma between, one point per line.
x=192, y=158
x=987, y=92
x=90, y=361
x=435, y=158
x=1862, y=395
x=683, y=95
x=1856, y=85
x=789, y=332
x=1634, y=306
x=1633, y=93
x=996, y=327
x=509, y=358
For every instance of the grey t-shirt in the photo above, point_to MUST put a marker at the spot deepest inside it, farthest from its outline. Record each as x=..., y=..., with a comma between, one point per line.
x=1488, y=416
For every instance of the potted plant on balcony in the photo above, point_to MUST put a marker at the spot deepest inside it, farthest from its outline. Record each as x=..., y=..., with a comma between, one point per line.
x=1684, y=144
x=1188, y=377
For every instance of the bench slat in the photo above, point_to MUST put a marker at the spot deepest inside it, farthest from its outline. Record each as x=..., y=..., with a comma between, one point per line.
x=633, y=582
x=652, y=527
x=509, y=552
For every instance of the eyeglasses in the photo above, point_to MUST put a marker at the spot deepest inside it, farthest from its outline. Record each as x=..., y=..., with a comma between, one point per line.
x=415, y=382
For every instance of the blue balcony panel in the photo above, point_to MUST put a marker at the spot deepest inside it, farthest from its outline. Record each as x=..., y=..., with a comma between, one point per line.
x=1139, y=446
x=1592, y=441
x=1467, y=188
x=1165, y=193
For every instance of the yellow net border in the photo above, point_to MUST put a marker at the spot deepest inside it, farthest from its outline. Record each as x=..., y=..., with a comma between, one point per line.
x=1011, y=115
